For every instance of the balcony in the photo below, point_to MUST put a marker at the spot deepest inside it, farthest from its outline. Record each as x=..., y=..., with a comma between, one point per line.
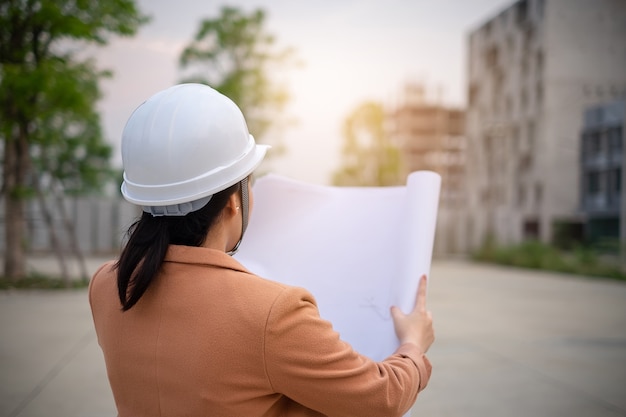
x=602, y=204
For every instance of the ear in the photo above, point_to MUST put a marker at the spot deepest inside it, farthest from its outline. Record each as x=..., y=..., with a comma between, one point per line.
x=233, y=206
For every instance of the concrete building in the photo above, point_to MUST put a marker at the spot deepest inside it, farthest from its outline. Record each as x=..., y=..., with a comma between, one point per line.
x=430, y=136
x=602, y=162
x=533, y=69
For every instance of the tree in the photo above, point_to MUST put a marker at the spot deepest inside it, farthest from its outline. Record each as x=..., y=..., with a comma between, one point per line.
x=49, y=130
x=368, y=157
x=235, y=55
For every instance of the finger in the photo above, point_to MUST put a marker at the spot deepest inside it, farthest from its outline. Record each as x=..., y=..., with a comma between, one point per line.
x=396, y=313
x=420, y=303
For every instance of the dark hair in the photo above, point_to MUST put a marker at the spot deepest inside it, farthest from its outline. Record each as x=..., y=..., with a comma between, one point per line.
x=149, y=238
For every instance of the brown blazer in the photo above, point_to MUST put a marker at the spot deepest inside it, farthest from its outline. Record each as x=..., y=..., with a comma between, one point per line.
x=209, y=338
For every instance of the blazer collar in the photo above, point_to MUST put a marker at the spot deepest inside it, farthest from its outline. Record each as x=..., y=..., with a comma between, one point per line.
x=202, y=256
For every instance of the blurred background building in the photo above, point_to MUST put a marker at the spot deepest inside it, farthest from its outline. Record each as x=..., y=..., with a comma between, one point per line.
x=533, y=70
x=602, y=161
x=430, y=136
x=537, y=153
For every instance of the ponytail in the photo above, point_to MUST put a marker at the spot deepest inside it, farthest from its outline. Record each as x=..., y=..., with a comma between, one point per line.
x=148, y=240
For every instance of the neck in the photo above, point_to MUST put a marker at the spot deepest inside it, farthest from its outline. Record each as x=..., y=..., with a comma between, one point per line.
x=217, y=239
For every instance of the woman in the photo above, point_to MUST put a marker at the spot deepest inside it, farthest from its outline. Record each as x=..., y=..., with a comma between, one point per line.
x=188, y=331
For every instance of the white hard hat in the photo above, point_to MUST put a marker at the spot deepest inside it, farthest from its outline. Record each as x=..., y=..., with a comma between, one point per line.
x=183, y=145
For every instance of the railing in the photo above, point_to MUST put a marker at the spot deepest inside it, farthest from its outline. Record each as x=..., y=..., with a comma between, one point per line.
x=99, y=225
x=602, y=203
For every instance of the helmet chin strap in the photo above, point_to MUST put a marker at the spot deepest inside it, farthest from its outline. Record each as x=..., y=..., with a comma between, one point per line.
x=243, y=185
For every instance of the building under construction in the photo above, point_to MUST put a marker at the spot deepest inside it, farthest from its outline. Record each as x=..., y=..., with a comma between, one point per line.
x=430, y=136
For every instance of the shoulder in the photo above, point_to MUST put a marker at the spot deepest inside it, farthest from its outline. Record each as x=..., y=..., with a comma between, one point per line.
x=104, y=277
x=105, y=270
x=294, y=310
x=282, y=298
x=290, y=297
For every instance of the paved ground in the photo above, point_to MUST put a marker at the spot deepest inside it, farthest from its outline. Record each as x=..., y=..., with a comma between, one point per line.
x=509, y=343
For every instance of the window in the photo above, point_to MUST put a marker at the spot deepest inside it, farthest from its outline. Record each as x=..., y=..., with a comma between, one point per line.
x=531, y=135
x=522, y=11
x=524, y=100
x=614, y=185
x=491, y=57
x=538, y=194
x=593, y=182
x=487, y=28
x=539, y=62
x=540, y=5
x=521, y=195
x=510, y=44
x=615, y=140
x=524, y=163
x=472, y=93
x=515, y=138
x=539, y=92
x=615, y=180
x=530, y=229
x=594, y=144
x=524, y=64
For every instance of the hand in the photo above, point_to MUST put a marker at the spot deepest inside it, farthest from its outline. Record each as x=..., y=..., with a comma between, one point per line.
x=417, y=326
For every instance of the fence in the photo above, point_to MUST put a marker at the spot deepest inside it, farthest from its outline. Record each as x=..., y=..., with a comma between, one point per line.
x=99, y=222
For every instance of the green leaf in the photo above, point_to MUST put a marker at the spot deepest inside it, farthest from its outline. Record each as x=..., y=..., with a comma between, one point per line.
x=233, y=54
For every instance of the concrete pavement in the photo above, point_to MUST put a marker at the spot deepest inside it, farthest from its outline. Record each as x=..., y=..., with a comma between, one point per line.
x=510, y=342
x=513, y=342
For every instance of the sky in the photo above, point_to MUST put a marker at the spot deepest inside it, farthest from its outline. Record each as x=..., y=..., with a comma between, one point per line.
x=351, y=51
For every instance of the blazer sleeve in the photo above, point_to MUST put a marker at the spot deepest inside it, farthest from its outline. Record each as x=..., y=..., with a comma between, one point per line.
x=307, y=361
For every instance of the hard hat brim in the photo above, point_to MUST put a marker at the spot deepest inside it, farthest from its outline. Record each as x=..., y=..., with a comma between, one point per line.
x=196, y=188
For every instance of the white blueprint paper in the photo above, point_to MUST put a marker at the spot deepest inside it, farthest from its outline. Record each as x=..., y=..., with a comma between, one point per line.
x=358, y=250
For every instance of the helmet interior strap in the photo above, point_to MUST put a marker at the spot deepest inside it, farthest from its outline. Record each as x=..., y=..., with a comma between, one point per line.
x=243, y=185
